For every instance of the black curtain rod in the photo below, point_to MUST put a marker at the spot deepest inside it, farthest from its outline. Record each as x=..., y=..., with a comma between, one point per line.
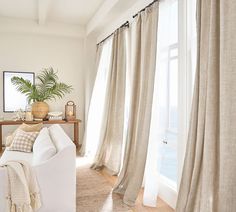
x=126, y=24
x=144, y=8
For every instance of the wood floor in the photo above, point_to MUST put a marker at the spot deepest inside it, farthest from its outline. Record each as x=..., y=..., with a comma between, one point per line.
x=139, y=207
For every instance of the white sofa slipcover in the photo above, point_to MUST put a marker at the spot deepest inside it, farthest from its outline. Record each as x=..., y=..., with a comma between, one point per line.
x=56, y=176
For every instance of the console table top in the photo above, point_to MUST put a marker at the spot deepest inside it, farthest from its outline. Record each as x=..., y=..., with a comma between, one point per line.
x=18, y=122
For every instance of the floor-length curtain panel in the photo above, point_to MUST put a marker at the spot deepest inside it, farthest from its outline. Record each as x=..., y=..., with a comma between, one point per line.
x=111, y=135
x=209, y=174
x=97, y=103
x=98, y=58
x=143, y=60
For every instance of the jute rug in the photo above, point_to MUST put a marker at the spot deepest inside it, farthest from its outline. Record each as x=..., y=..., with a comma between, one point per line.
x=94, y=193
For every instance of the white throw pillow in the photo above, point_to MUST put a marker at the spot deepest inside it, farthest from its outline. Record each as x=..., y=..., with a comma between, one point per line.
x=43, y=148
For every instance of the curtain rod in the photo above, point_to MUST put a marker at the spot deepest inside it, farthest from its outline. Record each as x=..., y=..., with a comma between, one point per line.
x=144, y=8
x=126, y=24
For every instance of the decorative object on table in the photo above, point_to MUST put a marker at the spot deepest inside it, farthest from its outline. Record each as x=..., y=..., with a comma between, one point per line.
x=47, y=87
x=28, y=113
x=39, y=110
x=55, y=116
x=19, y=115
x=70, y=111
x=9, y=90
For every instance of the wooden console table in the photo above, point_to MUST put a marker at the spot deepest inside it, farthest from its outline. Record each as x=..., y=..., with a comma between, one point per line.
x=74, y=122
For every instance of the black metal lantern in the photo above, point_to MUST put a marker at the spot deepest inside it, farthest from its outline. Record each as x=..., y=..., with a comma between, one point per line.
x=70, y=111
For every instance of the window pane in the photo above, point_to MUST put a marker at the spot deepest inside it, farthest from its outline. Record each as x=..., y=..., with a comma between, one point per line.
x=169, y=149
x=174, y=52
x=173, y=95
x=169, y=157
x=173, y=15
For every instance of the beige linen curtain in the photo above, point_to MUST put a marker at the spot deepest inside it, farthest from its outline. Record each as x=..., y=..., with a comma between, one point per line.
x=143, y=61
x=111, y=136
x=209, y=175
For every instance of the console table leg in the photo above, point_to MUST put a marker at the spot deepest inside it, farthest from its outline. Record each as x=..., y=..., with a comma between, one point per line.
x=0, y=138
x=76, y=134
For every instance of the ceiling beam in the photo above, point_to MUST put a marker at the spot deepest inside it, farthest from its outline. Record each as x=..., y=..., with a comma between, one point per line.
x=43, y=10
x=25, y=26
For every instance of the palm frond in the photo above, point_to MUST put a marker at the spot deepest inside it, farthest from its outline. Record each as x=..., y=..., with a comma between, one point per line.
x=47, y=78
x=48, y=87
x=24, y=86
x=57, y=91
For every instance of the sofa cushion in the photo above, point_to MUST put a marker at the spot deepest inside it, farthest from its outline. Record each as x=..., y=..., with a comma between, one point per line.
x=14, y=155
x=26, y=128
x=59, y=137
x=43, y=148
x=23, y=141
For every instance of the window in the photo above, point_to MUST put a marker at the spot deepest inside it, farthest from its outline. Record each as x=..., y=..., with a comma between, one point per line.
x=169, y=149
x=168, y=65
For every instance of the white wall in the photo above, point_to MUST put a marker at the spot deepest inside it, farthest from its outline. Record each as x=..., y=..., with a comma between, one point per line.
x=28, y=52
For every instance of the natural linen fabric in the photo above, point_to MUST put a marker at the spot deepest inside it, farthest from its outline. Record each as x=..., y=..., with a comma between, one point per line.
x=111, y=135
x=209, y=175
x=23, y=191
x=143, y=61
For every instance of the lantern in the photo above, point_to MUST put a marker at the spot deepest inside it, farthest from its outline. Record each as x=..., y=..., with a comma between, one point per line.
x=70, y=111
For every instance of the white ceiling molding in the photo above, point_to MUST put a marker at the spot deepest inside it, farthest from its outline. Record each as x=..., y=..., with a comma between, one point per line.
x=43, y=10
x=10, y=25
x=99, y=16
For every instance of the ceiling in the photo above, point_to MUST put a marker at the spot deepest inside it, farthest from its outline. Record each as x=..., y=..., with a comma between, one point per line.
x=73, y=18
x=77, y=12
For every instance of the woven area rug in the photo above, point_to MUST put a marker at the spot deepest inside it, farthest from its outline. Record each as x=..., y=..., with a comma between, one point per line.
x=94, y=192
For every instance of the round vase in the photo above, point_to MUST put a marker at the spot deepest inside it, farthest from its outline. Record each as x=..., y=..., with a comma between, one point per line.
x=40, y=110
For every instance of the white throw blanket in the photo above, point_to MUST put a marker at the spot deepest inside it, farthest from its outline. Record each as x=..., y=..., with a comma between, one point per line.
x=23, y=191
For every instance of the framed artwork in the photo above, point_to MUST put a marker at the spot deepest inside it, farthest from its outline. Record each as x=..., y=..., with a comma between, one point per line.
x=12, y=99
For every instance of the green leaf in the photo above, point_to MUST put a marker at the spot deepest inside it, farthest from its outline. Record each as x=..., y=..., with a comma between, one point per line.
x=47, y=88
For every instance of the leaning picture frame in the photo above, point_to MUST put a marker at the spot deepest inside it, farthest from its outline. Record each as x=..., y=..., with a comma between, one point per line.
x=12, y=99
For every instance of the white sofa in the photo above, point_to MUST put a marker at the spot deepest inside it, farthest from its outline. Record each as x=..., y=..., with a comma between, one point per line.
x=56, y=176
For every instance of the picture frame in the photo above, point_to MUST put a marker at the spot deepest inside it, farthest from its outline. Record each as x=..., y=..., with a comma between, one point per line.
x=19, y=101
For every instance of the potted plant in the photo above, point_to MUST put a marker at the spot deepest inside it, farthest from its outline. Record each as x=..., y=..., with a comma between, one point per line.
x=46, y=87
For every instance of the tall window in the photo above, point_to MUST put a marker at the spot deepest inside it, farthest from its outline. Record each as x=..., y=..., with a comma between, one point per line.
x=167, y=64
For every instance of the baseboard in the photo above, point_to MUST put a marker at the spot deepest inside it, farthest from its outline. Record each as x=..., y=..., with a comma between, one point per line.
x=168, y=193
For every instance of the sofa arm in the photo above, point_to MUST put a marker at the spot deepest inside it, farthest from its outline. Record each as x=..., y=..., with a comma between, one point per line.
x=57, y=181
